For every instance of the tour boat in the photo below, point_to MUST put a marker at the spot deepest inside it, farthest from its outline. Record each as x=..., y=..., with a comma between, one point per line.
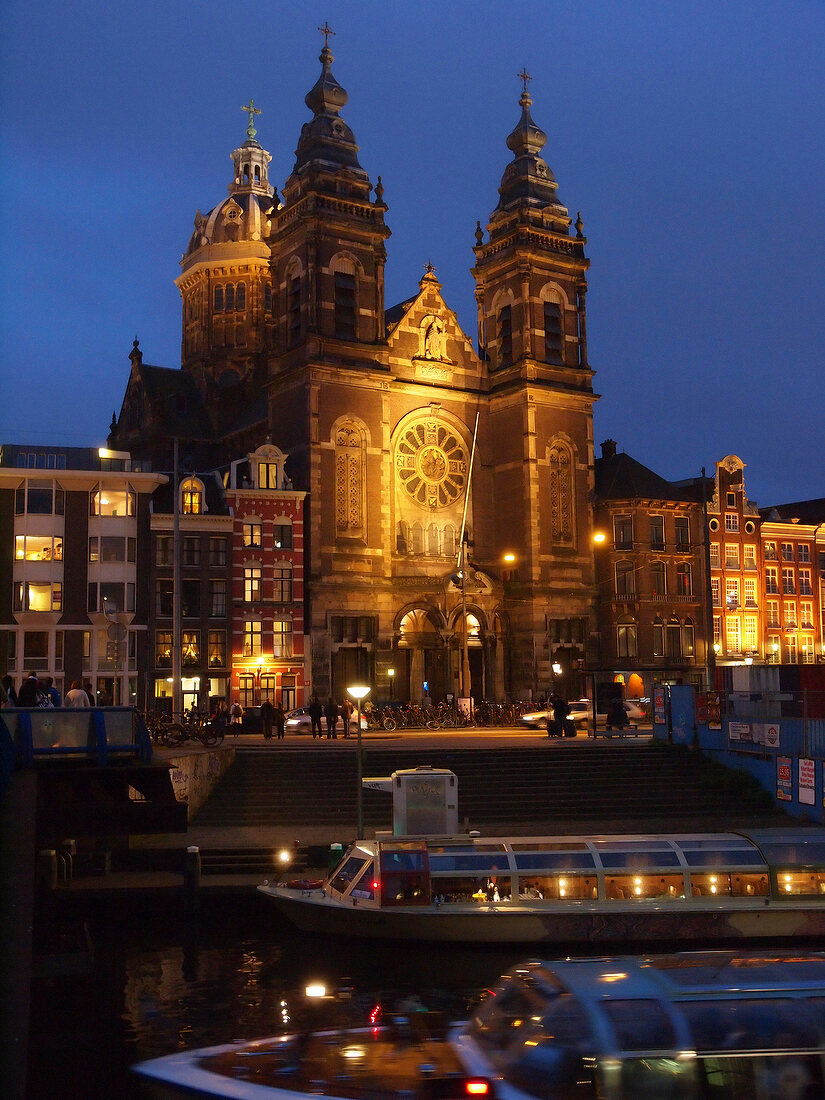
x=695, y=1024
x=568, y=889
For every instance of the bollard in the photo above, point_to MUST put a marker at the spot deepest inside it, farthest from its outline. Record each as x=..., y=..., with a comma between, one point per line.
x=192, y=878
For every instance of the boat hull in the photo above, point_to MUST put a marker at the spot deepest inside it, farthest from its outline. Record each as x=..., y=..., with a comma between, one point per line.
x=509, y=924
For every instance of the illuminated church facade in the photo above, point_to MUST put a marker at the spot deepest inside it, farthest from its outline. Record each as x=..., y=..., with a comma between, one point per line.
x=400, y=429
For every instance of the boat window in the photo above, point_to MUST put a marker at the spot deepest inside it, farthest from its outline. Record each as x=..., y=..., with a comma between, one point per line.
x=639, y=887
x=640, y=1024
x=508, y=1014
x=365, y=886
x=404, y=889
x=451, y=861
x=550, y=846
x=795, y=852
x=796, y=883
x=635, y=858
x=716, y=858
x=558, y=887
x=403, y=859
x=661, y=1079
x=772, y=1076
x=786, y=1024
x=540, y=861
x=710, y=885
x=546, y=1056
x=694, y=970
x=749, y=885
x=440, y=849
x=455, y=889
x=348, y=871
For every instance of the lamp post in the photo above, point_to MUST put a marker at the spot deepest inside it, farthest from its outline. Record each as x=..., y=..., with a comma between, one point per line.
x=391, y=674
x=359, y=692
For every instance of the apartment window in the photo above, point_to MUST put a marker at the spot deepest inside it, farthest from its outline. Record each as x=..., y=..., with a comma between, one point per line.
x=730, y=500
x=253, y=534
x=191, y=552
x=717, y=630
x=625, y=585
x=553, y=336
x=217, y=599
x=658, y=639
x=684, y=579
x=788, y=586
x=657, y=532
x=110, y=597
x=682, y=528
x=774, y=649
x=46, y=596
x=191, y=497
x=38, y=548
x=731, y=555
x=282, y=536
x=504, y=326
x=164, y=598
x=282, y=638
x=731, y=521
x=217, y=551
x=688, y=640
x=252, y=584
x=246, y=690
x=58, y=648
x=190, y=593
x=715, y=559
x=657, y=578
x=805, y=583
x=731, y=593
x=750, y=558
x=345, y=306
x=772, y=612
x=716, y=591
x=622, y=532
x=190, y=648
x=626, y=640
x=789, y=614
x=163, y=648
x=164, y=550
x=36, y=650
x=282, y=578
x=787, y=551
x=39, y=498
x=734, y=635
x=252, y=638
x=806, y=648
x=804, y=552
x=217, y=648
x=790, y=649
x=806, y=613
x=750, y=632
x=267, y=475
x=674, y=639
x=750, y=592
x=770, y=551
x=772, y=579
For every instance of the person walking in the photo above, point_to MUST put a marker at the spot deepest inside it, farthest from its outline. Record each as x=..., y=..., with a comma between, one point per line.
x=315, y=712
x=280, y=721
x=347, y=710
x=219, y=722
x=331, y=715
x=267, y=716
x=235, y=716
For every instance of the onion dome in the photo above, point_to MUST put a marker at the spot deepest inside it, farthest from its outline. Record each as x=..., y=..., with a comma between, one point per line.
x=327, y=140
x=527, y=180
x=245, y=214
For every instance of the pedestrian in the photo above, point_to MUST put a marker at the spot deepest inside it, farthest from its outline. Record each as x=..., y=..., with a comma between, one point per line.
x=219, y=722
x=267, y=716
x=331, y=715
x=346, y=714
x=29, y=691
x=280, y=721
x=76, y=696
x=235, y=716
x=90, y=691
x=52, y=692
x=315, y=712
x=11, y=692
x=616, y=714
x=560, y=713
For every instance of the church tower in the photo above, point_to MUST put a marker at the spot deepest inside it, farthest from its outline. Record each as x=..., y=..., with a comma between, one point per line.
x=226, y=290
x=530, y=291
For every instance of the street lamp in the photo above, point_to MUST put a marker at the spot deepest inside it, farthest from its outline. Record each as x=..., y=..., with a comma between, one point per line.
x=391, y=674
x=359, y=692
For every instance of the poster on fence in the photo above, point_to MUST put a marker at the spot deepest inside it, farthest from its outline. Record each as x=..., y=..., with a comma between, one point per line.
x=741, y=731
x=714, y=711
x=659, y=713
x=784, y=779
x=807, y=781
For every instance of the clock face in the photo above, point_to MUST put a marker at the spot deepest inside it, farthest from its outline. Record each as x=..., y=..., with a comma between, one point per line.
x=431, y=463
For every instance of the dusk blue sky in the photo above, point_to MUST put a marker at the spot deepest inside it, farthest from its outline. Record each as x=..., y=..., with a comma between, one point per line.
x=690, y=135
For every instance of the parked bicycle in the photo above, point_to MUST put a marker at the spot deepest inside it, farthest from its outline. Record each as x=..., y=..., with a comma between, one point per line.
x=171, y=732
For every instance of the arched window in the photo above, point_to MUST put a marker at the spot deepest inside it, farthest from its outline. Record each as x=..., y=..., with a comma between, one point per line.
x=191, y=497
x=657, y=578
x=229, y=297
x=658, y=638
x=684, y=579
x=625, y=578
x=245, y=175
x=402, y=538
x=268, y=297
x=218, y=299
x=417, y=538
x=450, y=544
x=688, y=639
x=432, y=540
x=504, y=335
x=240, y=296
x=349, y=481
x=257, y=173
x=562, y=527
x=293, y=305
x=626, y=638
x=674, y=639
x=553, y=335
x=345, y=299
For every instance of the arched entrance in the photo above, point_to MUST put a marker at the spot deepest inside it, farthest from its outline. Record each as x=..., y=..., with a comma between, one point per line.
x=475, y=654
x=420, y=672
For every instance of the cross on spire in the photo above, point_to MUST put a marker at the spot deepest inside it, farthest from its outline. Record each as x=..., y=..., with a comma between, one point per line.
x=326, y=31
x=525, y=78
x=251, y=110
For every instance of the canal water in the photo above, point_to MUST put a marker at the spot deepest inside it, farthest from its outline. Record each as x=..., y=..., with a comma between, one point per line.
x=158, y=981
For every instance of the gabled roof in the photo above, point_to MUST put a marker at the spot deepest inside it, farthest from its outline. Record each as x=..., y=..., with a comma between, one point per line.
x=804, y=511
x=620, y=477
x=175, y=400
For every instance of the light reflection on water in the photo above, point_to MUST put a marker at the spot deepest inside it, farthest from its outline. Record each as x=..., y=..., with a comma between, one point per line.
x=161, y=984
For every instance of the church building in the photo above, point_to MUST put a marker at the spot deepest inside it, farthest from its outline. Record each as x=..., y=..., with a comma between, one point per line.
x=403, y=431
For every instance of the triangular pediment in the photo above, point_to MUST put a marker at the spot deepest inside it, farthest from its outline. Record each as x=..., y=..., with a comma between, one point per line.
x=424, y=332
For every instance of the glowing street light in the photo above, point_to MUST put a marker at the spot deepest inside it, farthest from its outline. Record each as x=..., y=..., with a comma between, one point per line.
x=359, y=692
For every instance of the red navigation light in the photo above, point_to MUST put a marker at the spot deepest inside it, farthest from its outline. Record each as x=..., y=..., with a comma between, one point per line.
x=375, y=1015
x=475, y=1087
x=375, y=884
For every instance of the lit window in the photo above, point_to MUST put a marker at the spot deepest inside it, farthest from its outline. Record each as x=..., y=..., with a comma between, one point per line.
x=253, y=534
x=163, y=648
x=112, y=502
x=252, y=638
x=788, y=586
x=731, y=521
x=626, y=640
x=217, y=648
x=191, y=497
x=282, y=638
x=684, y=579
x=252, y=584
x=190, y=648
x=770, y=551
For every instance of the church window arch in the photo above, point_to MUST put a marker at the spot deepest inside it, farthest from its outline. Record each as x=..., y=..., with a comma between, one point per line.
x=218, y=299
x=554, y=304
x=432, y=540
x=417, y=538
x=450, y=542
x=562, y=518
x=268, y=297
x=350, y=472
x=229, y=297
x=240, y=296
x=503, y=315
x=245, y=174
x=257, y=173
x=345, y=298
x=402, y=538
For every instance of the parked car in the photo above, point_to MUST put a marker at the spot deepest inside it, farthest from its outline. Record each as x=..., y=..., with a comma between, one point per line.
x=299, y=721
x=581, y=714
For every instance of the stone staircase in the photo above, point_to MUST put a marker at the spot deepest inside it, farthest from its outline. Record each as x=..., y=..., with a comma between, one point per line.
x=588, y=788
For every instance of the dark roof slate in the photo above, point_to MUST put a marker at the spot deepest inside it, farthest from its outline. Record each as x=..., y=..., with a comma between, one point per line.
x=621, y=477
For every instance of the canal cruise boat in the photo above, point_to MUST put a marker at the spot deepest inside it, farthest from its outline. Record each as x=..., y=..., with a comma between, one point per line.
x=641, y=888
x=701, y=1024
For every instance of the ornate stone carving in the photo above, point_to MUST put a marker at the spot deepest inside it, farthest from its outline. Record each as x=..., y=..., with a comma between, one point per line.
x=431, y=463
